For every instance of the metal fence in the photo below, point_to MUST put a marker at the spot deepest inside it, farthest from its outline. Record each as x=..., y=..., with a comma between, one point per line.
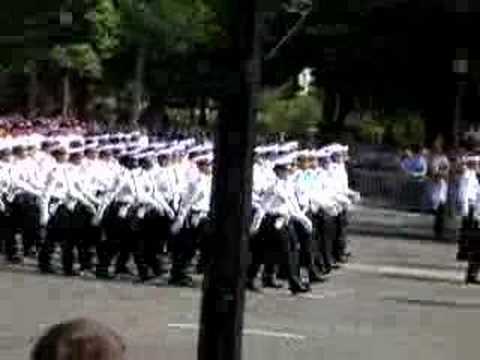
x=390, y=189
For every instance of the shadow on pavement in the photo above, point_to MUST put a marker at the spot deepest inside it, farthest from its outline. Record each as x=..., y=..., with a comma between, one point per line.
x=434, y=303
x=395, y=234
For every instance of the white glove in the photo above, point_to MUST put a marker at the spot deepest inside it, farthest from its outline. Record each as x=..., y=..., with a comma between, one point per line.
x=307, y=223
x=177, y=225
x=169, y=213
x=332, y=210
x=96, y=220
x=123, y=211
x=256, y=222
x=44, y=220
x=280, y=223
x=141, y=212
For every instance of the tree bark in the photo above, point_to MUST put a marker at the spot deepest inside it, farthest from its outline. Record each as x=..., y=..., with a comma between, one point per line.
x=336, y=110
x=138, y=85
x=33, y=91
x=223, y=301
x=202, y=121
x=67, y=96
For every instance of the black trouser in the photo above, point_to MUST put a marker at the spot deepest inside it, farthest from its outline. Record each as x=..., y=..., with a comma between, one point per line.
x=26, y=219
x=324, y=227
x=340, y=239
x=86, y=235
x=152, y=234
x=58, y=233
x=468, y=224
x=6, y=232
x=275, y=246
x=185, y=244
x=472, y=240
x=439, y=222
x=118, y=239
x=307, y=247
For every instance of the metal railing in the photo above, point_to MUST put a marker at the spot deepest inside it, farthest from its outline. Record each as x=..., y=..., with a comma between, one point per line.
x=389, y=189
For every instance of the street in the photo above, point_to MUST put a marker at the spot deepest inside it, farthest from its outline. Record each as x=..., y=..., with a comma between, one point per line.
x=397, y=299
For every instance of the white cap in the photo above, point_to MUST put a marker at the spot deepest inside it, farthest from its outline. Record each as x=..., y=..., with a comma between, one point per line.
x=324, y=152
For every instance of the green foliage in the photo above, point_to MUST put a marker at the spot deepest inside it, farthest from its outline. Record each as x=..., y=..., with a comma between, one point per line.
x=399, y=129
x=171, y=25
x=294, y=114
x=407, y=130
x=80, y=58
x=106, y=20
x=372, y=131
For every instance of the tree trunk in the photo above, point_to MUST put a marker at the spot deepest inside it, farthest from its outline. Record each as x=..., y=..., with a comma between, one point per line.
x=202, y=121
x=33, y=91
x=67, y=97
x=336, y=110
x=223, y=301
x=138, y=85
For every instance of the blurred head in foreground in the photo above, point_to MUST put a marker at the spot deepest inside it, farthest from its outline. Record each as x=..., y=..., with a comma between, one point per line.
x=79, y=339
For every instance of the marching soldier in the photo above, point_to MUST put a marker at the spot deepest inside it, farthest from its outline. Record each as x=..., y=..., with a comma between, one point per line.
x=281, y=209
x=191, y=228
x=6, y=229
x=27, y=192
x=467, y=197
x=154, y=217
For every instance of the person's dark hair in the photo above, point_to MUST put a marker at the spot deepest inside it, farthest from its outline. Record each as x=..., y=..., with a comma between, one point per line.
x=79, y=339
x=416, y=148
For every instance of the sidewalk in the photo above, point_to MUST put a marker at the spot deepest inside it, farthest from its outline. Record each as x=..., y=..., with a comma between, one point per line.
x=366, y=220
x=391, y=243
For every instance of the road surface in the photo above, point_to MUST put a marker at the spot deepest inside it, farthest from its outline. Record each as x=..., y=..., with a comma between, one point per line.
x=398, y=299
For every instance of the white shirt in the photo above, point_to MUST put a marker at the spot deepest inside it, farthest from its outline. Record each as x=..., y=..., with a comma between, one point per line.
x=25, y=176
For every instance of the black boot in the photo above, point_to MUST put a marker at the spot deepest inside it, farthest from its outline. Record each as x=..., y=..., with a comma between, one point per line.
x=296, y=287
x=271, y=282
x=315, y=275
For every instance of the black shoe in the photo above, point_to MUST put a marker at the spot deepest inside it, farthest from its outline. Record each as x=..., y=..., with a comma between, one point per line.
x=104, y=275
x=145, y=278
x=315, y=276
x=272, y=283
x=327, y=270
x=15, y=260
x=297, y=288
x=462, y=256
x=46, y=270
x=182, y=281
x=124, y=271
x=471, y=279
x=31, y=253
x=71, y=273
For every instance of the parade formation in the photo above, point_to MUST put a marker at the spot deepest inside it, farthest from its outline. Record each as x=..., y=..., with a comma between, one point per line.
x=105, y=199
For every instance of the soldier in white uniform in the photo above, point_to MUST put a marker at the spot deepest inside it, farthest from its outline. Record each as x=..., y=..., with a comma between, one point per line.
x=154, y=217
x=467, y=196
x=281, y=209
x=191, y=228
x=302, y=178
x=27, y=192
x=119, y=201
x=6, y=228
x=86, y=233
x=339, y=180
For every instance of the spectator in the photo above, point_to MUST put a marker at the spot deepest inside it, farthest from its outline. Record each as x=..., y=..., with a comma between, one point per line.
x=406, y=159
x=438, y=161
x=80, y=339
x=415, y=163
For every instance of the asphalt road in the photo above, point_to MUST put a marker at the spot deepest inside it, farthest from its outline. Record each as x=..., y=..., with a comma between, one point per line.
x=398, y=299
